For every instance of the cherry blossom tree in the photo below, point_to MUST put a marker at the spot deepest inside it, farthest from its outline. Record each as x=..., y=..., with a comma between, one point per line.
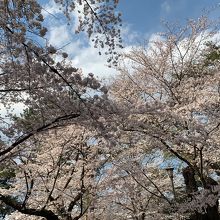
x=169, y=93
x=55, y=175
x=52, y=95
x=80, y=149
x=31, y=76
x=131, y=183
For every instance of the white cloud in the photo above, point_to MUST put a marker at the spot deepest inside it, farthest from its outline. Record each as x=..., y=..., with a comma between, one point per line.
x=81, y=51
x=54, y=13
x=165, y=6
x=50, y=9
x=88, y=59
x=155, y=37
x=128, y=35
x=59, y=36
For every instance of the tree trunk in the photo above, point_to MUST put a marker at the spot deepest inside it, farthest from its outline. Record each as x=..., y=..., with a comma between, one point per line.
x=189, y=179
x=143, y=216
x=212, y=213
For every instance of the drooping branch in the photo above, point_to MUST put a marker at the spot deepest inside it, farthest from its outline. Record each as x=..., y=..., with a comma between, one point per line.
x=40, y=129
x=52, y=69
x=165, y=144
x=48, y=214
x=162, y=196
x=174, y=152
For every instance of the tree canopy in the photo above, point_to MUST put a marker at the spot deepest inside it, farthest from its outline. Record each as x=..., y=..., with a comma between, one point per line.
x=145, y=146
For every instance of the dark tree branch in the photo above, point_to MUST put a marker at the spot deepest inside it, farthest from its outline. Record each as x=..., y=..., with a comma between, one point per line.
x=48, y=214
x=174, y=152
x=42, y=128
x=19, y=89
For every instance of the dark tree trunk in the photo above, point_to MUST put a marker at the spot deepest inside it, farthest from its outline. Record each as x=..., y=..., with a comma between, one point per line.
x=189, y=179
x=212, y=213
x=143, y=216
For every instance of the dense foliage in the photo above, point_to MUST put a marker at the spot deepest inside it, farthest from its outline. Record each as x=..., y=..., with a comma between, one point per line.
x=147, y=147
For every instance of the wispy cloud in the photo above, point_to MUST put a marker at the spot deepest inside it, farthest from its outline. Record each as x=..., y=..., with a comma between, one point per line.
x=80, y=49
x=59, y=36
x=89, y=60
x=165, y=7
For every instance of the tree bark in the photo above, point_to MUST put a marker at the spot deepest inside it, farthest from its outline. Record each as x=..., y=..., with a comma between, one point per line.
x=212, y=213
x=189, y=179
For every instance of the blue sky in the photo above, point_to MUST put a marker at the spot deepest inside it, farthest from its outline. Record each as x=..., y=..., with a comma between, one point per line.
x=145, y=16
x=141, y=21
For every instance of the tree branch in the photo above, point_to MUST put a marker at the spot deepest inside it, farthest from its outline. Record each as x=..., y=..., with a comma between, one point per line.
x=48, y=214
x=42, y=128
